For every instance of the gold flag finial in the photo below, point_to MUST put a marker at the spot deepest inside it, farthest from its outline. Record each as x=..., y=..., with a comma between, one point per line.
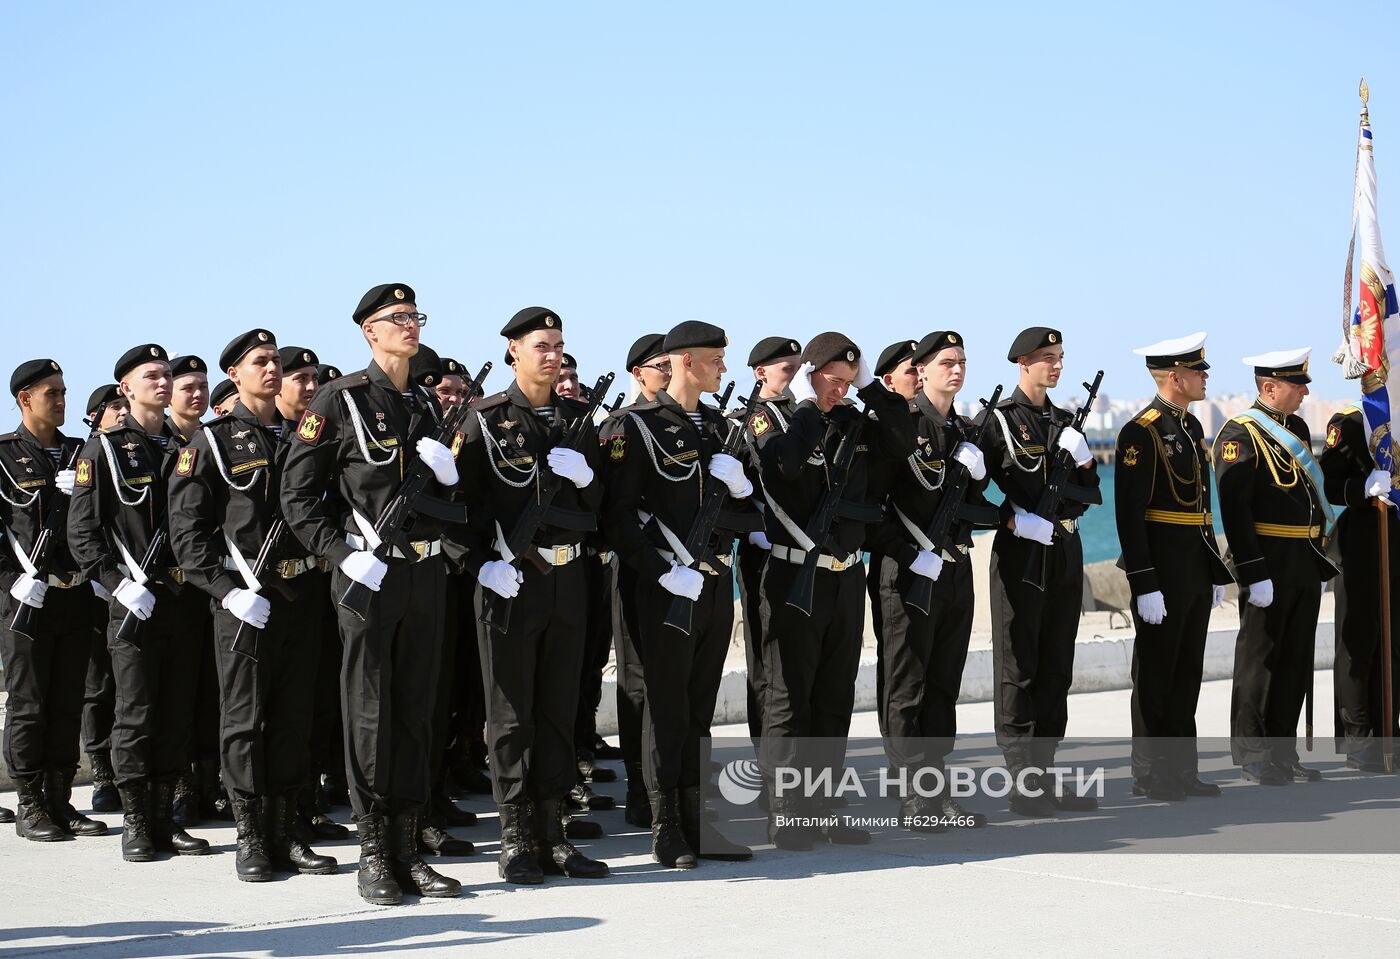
x=1365, y=92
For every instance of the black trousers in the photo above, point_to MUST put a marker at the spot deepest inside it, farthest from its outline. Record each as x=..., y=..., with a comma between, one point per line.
x=205, y=734
x=388, y=679
x=811, y=664
x=267, y=706
x=923, y=663
x=1033, y=635
x=467, y=723
x=99, y=688
x=1274, y=656
x=531, y=684
x=1357, y=673
x=327, y=724
x=44, y=678
x=155, y=679
x=751, y=562
x=631, y=682
x=873, y=570
x=1167, y=663
x=682, y=678
x=597, y=642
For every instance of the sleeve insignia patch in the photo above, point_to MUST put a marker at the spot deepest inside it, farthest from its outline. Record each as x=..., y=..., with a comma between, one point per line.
x=84, y=472
x=1130, y=456
x=1334, y=433
x=1230, y=450
x=310, y=427
x=457, y=440
x=618, y=448
x=760, y=424
x=184, y=466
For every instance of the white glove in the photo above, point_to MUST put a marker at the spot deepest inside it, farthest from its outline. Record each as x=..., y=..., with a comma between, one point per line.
x=571, y=465
x=863, y=375
x=135, y=597
x=1378, y=483
x=971, y=457
x=683, y=581
x=1073, y=442
x=801, y=384
x=100, y=591
x=364, y=568
x=1217, y=596
x=730, y=472
x=1152, y=607
x=29, y=590
x=248, y=606
x=760, y=539
x=501, y=578
x=1033, y=527
x=927, y=563
x=438, y=458
x=1261, y=594
x=65, y=481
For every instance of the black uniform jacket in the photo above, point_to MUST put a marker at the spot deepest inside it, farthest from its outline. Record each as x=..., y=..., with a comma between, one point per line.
x=27, y=496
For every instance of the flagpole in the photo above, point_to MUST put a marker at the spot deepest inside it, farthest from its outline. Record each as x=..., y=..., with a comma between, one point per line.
x=1387, y=693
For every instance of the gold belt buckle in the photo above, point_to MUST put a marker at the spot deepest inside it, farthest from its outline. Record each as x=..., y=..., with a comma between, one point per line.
x=837, y=565
x=561, y=555
x=420, y=546
x=287, y=568
x=177, y=575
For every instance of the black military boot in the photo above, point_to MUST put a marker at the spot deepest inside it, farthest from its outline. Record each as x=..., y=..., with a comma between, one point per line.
x=58, y=790
x=313, y=819
x=518, y=862
x=920, y=814
x=251, y=864
x=464, y=771
x=184, y=804
x=557, y=855
x=410, y=871
x=213, y=802
x=334, y=791
x=168, y=836
x=33, y=820
x=782, y=832
x=6, y=815
x=582, y=798
x=435, y=840
x=668, y=845
x=446, y=814
x=285, y=847
x=105, y=796
x=589, y=769
x=701, y=836
x=603, y=749
x=376, y=879
x=1034, y=802
x=138, y=845
x=638, y=811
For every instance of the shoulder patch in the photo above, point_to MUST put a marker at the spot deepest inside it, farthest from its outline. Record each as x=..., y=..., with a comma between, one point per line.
x=1241, y=419
x=617, y=447
x=83, y=471
x=184, y=466
x=1130, y=456
x=1148, y=417
x=760, y=423
x=458, y=438
x=310, y=426
x=1230, y=450
x=487, y=402
x=1334, y=434
x=9, y=436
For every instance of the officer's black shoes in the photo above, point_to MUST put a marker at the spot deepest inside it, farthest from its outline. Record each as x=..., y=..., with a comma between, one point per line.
x=184, y=806
x=251, y=862
x=1159, y=787
x=311, y=819
x=446, y=814
x=6, y=815
x=784, y=833
x=589, y=769
x=410, y=871
x=33, y=820
x=703, y=838
x=1034, y=803
x=1193, y=785
x=950, y=808
x=1300, y=773
x=435, y=840
x=168, y=836
x=286, y=846
x=602, y=749
x=1265, y=774
x=1074, y=802
x=1366, y=761
x=668, y=845
x=557, y=855
x=839, y=834
x=213, y=803
x=582, y=798
x=58, y=791
x=105, y=797
x=138, y=845
x=375, y=879
x=518, y=862
x=638, y=812
x=582, y=829
x=920, y=815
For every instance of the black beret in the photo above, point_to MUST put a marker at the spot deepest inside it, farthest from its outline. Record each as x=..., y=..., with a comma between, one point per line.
x=297, y=358
x=695, y=335
x=453, y=368
x=830, y=347
x=325, y=373
x=385, y=294
x=568, y=363
x=771, y=348
x=1030, y=340
x=531, y=318
x=185, y=365
x=30, y=372
x=102, y=396
x=239, y=347
x=646, y=347
x=221, y=392
x=425, y=367
x=134, y=357
x=893, y=355
x=934, y=343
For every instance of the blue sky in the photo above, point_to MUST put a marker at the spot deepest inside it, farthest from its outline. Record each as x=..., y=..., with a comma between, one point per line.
x=183, y=172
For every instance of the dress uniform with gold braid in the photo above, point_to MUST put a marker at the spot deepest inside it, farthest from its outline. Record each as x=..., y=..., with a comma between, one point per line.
x=1162, y=506
x=1274, y=525
x=1352, y=480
